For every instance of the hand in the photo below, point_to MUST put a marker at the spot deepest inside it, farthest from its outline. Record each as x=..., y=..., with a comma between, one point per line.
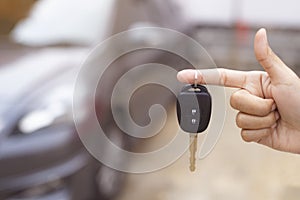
x=268, y=102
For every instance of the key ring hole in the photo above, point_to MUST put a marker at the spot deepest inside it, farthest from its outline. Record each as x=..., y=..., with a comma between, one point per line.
x=194, y=89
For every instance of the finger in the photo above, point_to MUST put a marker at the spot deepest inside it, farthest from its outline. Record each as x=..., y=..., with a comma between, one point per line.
x=268, y=140
x=252, y=122
x=255, y=135
x=219, y=76
x=272, y=64
x=245, y=102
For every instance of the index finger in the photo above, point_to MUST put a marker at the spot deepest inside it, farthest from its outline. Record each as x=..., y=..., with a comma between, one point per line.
x=218, y=76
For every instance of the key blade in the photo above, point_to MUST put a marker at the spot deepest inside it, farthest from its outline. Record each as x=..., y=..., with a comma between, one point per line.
x=193, y=149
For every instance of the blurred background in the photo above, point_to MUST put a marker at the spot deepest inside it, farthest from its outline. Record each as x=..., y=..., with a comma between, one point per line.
x=44, y=42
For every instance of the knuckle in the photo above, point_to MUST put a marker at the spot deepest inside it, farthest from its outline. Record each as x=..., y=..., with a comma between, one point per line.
x=240, y=120
x=223, y=76
x=235, y=100
x=245, y=136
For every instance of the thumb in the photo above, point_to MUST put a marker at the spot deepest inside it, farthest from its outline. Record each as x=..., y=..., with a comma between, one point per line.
x=272, y=64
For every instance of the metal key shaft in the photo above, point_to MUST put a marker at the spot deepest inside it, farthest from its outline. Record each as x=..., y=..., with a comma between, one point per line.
x=193, y=149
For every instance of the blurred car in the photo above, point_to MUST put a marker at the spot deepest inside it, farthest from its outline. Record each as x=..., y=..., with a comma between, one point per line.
x=41, y=156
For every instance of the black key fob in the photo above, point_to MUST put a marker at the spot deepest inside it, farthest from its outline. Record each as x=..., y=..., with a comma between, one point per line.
x=194, y=108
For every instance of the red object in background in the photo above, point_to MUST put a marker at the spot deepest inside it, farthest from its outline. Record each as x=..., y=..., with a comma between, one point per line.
x=242, y=30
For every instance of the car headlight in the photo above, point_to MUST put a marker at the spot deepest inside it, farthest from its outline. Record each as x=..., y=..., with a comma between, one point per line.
x=56, y=107
x=39, y=119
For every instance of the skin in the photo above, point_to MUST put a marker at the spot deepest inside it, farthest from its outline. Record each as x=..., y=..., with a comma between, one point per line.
x=268, y=101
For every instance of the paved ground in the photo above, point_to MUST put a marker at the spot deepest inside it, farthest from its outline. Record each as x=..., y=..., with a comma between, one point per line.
x=234, y=170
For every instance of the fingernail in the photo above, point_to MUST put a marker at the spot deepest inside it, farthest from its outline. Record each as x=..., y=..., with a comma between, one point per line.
x=277, y=116
x=274, y=126
x=264, y=32
x=274, y=107
x=182, y=76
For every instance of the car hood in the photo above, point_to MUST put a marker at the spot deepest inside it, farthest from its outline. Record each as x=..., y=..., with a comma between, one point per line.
x=20, y=79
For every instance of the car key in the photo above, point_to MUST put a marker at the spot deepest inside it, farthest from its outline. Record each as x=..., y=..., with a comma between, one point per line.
x=193, y=113
x=193, y=150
